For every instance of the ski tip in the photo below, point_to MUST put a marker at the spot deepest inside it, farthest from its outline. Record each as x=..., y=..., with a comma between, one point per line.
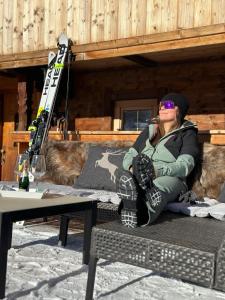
x=63, y=39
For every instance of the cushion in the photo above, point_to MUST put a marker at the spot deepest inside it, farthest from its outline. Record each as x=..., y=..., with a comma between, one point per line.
x=205, y=208
x=218, y=211
x=101, y=169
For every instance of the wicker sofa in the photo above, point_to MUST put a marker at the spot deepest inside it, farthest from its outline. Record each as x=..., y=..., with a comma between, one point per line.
x=191, y=249
x=65, y=161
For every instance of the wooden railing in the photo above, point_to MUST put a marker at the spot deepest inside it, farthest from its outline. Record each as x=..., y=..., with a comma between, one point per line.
x=22, y=137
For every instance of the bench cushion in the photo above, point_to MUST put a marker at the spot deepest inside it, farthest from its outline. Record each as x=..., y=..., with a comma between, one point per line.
x=101, y=168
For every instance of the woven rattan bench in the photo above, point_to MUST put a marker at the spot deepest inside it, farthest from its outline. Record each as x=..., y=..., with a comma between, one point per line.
x=106, y=212
x=187, y=248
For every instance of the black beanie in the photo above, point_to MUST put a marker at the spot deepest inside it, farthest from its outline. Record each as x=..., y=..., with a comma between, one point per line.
x=180, y=101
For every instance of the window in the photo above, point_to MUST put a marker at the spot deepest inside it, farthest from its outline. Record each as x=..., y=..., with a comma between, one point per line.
x=133, y=115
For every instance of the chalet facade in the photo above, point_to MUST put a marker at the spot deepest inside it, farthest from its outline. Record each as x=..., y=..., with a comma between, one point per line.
x=128, y=54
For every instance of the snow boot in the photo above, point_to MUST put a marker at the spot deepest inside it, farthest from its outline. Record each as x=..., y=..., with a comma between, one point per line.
x=127, y=190
x=155, y=201
x=143, y=171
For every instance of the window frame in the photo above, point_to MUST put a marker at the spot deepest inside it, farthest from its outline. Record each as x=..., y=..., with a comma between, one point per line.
x=137, y=104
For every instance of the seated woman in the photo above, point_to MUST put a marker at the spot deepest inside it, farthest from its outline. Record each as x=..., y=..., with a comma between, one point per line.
x=157, y=165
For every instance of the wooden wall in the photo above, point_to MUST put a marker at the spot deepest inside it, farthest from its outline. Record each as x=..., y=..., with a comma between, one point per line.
x=31, y=25
x=202, y=82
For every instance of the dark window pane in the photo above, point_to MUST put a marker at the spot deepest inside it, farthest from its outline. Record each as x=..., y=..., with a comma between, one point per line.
x=129, y=120
x=135, y=119
x=143, y=117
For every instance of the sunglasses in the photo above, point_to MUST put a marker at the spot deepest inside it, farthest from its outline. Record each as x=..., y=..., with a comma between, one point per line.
x=167, y=104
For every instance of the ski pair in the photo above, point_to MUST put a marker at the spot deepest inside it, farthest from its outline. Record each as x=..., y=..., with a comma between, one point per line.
x=40, y=126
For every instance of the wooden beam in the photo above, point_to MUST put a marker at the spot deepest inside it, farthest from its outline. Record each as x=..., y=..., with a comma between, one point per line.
x=186, y=43
x=151, y=38
x=140, y=60
x=160, y=42
x=26, y=55
x=22, y=104
x=30, y=62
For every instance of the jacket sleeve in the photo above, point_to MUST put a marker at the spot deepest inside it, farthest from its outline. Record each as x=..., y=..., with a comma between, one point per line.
x=137, y=147
x=186, y=160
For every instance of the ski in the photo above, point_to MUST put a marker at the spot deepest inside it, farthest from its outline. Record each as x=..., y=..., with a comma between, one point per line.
x=40, y=126
x=45, y=90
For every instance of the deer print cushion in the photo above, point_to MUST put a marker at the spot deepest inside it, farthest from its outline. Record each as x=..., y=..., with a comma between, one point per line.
x=101, y=168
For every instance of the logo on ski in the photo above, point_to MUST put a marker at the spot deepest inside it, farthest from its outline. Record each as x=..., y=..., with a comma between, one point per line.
x=58, y=65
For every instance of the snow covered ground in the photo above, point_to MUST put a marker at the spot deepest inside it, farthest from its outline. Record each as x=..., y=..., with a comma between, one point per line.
x=39, y=269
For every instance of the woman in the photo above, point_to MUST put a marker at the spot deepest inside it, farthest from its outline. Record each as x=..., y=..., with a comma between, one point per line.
x=157, y=165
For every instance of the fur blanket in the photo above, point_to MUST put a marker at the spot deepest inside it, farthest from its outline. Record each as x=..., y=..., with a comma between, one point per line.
x=209, y=176
x=65, y=161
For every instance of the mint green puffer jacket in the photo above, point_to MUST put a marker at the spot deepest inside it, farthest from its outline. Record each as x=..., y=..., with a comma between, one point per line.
x=175, y=154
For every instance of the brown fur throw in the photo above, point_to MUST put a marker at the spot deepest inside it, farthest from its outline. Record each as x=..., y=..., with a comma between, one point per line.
x=210, y=172
x=65, y=160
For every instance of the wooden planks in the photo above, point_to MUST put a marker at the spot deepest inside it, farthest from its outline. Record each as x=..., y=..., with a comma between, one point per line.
x=1, y=25
x=39, y=30
x=7, y=27
x=208, y=121
x=100, y=123
x=124, y=19
x=218, y=11
x=17, y=26
x=203, y=13
x=97, y=20
x=32, y=25
x=50, y=31
x=111, y=20
x=216, y=137
x=186, y=10
x=9, y=111
x=60, y=17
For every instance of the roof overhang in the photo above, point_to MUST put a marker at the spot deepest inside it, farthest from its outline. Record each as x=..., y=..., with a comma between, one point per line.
x=151, y=50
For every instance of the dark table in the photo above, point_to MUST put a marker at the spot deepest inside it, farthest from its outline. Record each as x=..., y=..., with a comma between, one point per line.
x=18, y=209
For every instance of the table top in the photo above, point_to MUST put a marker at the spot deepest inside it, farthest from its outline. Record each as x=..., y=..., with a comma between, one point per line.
x=19, y=204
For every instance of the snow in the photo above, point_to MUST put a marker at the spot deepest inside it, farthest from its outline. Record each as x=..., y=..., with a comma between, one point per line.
x=40, y=269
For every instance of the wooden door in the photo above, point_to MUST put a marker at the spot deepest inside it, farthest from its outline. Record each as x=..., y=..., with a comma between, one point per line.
x=9, y=148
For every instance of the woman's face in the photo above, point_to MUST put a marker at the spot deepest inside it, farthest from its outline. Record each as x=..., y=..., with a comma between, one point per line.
x=168, y=113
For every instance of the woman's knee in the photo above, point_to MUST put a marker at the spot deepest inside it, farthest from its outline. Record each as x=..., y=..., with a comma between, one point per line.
x=172, y=186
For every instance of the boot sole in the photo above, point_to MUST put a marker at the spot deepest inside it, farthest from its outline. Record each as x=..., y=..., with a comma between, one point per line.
x=126, y=187
x=129, y=218
x=143, y=172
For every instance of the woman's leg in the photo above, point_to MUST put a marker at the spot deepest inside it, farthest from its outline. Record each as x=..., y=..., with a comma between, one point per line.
x=127, y=190
x=165, y=189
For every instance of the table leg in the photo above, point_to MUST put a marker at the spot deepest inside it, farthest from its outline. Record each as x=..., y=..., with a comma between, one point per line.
x=89, y=222
x=63, y=231
x=91, y=278
x=5, y=241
